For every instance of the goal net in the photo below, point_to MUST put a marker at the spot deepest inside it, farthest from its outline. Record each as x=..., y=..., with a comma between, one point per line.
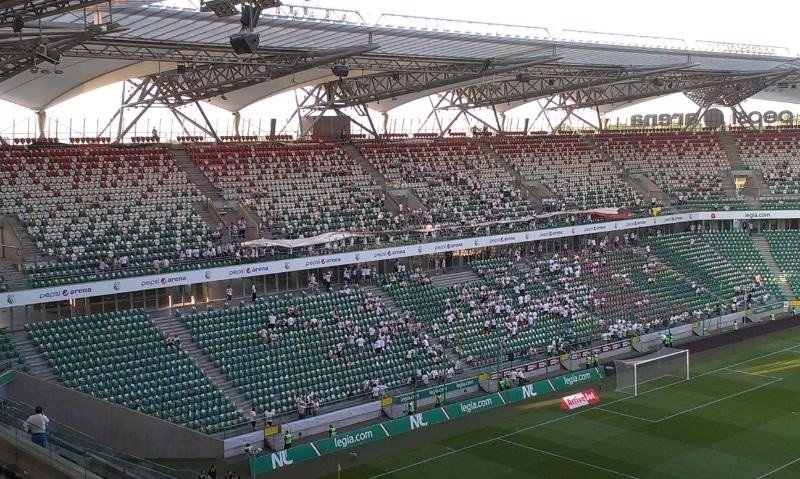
x=637, y=375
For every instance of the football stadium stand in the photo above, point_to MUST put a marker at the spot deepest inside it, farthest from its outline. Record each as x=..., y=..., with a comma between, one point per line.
x=723, y=264
x=100, y=211
x=122, y=357
x=688, y=166
x=776, y=153
x=784, y=246
x=458, y=182
x=308, y=351
x=296, y=189
x=571, y=168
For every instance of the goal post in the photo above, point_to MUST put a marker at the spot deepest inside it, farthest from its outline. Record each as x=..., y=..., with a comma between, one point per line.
x=633, y=375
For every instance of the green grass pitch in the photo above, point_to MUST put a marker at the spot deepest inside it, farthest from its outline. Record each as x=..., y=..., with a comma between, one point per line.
x=738, y=417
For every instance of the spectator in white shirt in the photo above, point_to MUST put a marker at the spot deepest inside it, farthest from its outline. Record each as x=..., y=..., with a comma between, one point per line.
x=269, y=417
x=36, y=425
x=252, y=416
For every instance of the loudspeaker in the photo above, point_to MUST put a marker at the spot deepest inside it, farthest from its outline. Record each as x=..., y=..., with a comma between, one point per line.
x=245, y=43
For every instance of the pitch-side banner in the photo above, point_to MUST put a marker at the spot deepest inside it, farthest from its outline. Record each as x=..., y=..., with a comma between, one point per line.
x=107, y=287
x=579, y=400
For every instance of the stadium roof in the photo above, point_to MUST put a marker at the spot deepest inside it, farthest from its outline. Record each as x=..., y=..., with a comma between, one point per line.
x=186, y=56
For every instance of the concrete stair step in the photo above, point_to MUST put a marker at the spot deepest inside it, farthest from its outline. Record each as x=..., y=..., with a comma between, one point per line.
x=450, y=279
x=171, y=325
x=195, y=174
x=30, y=252
x=39, y=366
x=520, y=182
x=769, y=259
x=364, y=163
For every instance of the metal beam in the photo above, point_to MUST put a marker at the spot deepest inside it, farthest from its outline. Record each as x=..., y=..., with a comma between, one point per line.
x=201, y=82
x=736, y=90
x=33, y=10
x=549, y=80
x=376, y=87
x=20, y=56
x=648, y=88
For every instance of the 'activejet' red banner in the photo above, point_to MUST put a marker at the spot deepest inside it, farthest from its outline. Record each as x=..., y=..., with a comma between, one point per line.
x=578, y=400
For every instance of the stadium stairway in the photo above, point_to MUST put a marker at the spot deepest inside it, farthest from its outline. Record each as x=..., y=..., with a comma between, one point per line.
x=39, y=367
x=170, y=325
x=455, y=277
x=30, y=252
x=729, y=185
x=394, y=308
x=395, y=196
x=754, y=188
x=645, y=187
x=638, y=181
x=731, y=149
x=11, y=276
x=359, y=157
x=529, y=190
x=387, y=299
x=763, y=247
x=195, y=175
x=208, y=214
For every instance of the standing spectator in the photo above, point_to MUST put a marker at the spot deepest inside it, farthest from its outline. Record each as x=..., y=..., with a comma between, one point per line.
x=269, y=417
x=36, y=425
x=253, y=291
x=229, y=293
x=326, y=280
x=252, y=416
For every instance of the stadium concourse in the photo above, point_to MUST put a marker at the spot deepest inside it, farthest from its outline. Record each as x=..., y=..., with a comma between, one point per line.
x=205, y=292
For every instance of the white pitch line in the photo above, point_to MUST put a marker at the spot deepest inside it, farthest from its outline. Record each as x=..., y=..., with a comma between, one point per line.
x=717, y=400
x=778, y=469
x=752, y=374
x=567, y=458
x=774, y=380
x=600, y=408
x=582, y=411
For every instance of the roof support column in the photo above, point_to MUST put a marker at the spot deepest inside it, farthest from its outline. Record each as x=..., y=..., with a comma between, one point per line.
x=41, y=121
x=237, y=118
x=385, y=116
